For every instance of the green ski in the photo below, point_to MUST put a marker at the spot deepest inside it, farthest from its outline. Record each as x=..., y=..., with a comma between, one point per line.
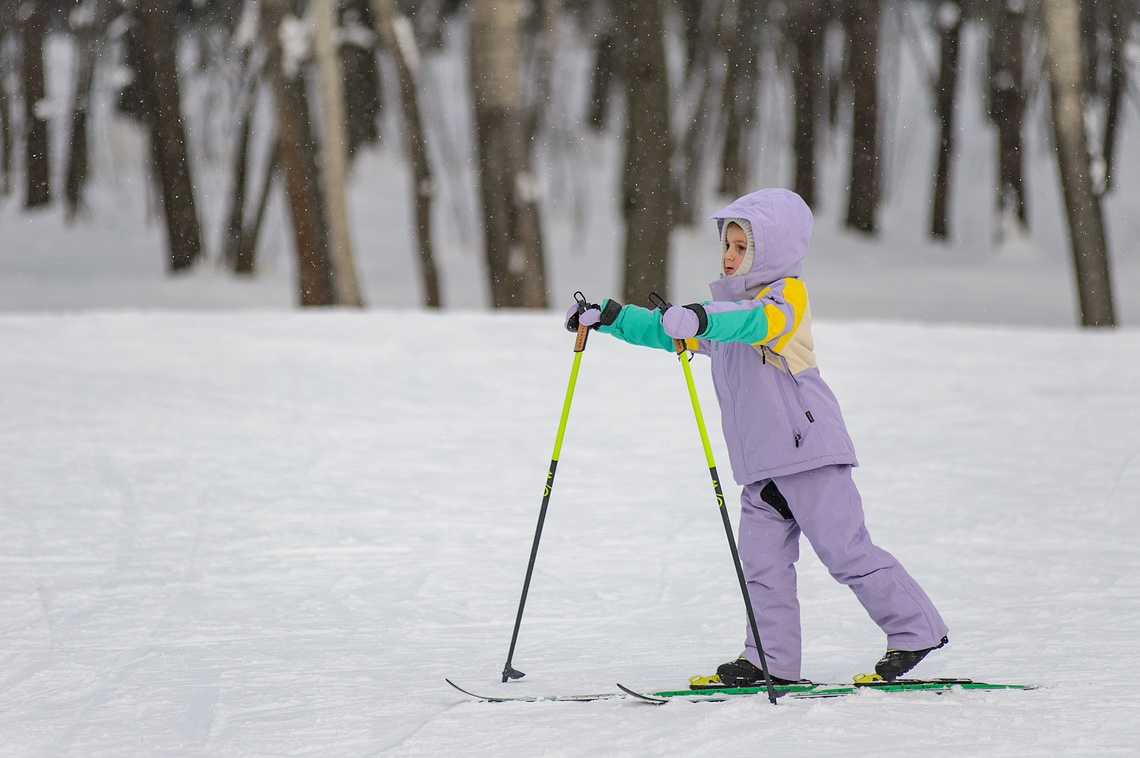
x=798, y=690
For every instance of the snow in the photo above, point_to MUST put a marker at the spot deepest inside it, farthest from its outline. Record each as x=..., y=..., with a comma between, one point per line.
x=231, y=528
x=276, y=533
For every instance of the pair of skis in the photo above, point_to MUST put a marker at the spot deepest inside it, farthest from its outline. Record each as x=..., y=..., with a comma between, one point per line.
x=509, y=672
x=795, y=691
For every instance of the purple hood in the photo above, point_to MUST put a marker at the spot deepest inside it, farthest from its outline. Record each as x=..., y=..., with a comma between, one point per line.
x=781, y=226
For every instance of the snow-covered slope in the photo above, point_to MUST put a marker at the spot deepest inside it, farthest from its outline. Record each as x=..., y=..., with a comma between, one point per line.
x=276, y=533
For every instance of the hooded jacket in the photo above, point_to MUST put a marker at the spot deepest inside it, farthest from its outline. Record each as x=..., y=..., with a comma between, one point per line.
x=778, y=415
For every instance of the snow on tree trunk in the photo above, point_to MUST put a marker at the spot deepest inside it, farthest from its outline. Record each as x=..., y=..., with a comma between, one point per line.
x=284, y=41
x=1007, y=110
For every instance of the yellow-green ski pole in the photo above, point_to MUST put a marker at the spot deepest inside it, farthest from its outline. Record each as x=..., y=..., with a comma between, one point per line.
x=683, y=356
x=509, y=672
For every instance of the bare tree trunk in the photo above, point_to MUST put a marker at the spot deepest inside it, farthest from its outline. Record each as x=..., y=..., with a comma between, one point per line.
x=298, y=155
x=334, y=154
x=1086, y=224
x=804, y=28
x=1007, y=110
x=398, y=36
x=245, y=261
x=514, y=264
x=5, y=109
x=740, y=100
x=948, y=17
x=542, y=35
x=696, y=106
x=1117, y=83
x=235, y=219
x=361, y=75
x=609, y=54
x=37, y=164
x=863, y=49
x=159, y=41
x=647, y=194
x=85, y=28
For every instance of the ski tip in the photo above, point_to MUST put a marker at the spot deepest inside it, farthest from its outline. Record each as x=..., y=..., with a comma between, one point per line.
x=641, y=695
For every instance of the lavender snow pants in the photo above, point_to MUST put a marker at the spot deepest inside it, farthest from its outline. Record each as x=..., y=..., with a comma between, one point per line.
x=827, y=508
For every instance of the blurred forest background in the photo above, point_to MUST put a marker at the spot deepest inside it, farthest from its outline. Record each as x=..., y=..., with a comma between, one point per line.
x=290, y=93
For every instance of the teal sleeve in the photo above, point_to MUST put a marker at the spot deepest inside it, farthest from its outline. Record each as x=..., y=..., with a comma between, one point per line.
x=639, y=326
x=736, y=324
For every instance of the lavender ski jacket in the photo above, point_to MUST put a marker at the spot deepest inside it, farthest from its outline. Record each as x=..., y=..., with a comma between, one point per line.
x=778, y=415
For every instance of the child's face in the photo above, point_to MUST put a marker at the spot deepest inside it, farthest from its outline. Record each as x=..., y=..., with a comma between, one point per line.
x=736, y=245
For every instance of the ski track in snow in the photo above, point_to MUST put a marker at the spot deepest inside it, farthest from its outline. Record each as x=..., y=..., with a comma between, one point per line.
x=275, y=534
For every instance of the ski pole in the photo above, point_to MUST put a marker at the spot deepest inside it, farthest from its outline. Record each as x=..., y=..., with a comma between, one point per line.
x=683, y=356
x=509, y=672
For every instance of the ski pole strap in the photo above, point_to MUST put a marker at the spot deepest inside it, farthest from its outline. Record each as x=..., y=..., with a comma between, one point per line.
x=583, y=330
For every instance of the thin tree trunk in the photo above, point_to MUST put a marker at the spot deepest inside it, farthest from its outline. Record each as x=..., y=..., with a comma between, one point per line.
x=1007, y=110
x=37, y=164
x=740, y=101
x=647, y=194
x=697, y=106
x=1082, y=206
x=948, y=17
x=245, y=261
x=805, y=33
x=298, y=155
x=514, y=264
x=5, y=115
x=1117, y=84
x=607, y=67
x=863, y=48
x=398, y=37
x=235, y=218
x=85, y=28
x=334, y=154
x=159, y=40
x=361, y=75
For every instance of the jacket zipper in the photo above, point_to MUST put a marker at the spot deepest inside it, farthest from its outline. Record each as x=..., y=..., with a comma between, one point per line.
x=798, y=436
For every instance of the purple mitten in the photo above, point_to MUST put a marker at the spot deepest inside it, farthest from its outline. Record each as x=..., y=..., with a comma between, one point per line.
x=589, y=317
x=681, y=323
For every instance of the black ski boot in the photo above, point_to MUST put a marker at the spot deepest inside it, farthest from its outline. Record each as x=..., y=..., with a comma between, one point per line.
x=895, y=663
x=743, y=673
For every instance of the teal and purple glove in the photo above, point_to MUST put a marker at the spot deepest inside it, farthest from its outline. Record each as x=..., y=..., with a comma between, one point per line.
x=682, y=322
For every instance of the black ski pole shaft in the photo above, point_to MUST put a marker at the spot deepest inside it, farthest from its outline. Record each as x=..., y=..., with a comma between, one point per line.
x=509, y=671
x=683, y=356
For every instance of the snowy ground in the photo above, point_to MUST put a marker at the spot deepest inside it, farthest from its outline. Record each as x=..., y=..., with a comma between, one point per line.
x=275, y=534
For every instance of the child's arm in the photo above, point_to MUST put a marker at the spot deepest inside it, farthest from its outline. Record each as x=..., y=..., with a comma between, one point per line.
x=764, y=320
x=634, y=324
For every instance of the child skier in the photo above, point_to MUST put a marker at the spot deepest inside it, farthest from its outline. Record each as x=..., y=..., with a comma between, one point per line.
x=787, y=442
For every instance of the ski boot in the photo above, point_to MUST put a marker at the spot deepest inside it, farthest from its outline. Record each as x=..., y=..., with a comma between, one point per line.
x=895, y=663
x=743, y=673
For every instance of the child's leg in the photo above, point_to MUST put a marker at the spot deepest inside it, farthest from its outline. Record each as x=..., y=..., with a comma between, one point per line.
x=769, y=548
x=829, y=510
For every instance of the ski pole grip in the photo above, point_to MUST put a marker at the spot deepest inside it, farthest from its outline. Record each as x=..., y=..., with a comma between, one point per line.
x=583, y=330
x=663, y=305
